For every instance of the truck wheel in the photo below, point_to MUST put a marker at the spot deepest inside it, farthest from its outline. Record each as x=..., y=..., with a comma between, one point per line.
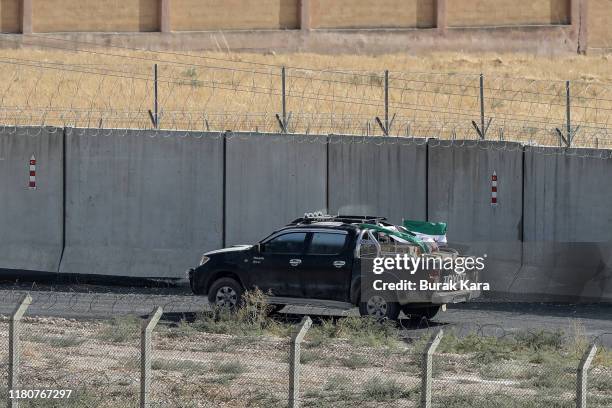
x=419, y=313
x=377, y=307
x=225, y=293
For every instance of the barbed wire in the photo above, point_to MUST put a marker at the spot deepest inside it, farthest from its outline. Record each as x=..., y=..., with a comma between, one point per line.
x=202, y=93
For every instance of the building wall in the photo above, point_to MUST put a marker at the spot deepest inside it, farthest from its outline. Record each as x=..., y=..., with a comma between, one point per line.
x=95, y=15
x=10, y=16
x=198, y=15
x=478, y=13
x=588, y=28
x=599, y=27
x=373, y=14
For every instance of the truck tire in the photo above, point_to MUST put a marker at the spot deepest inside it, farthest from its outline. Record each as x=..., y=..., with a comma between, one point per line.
x=376, y=306
x=225, y=293
x=420, y=313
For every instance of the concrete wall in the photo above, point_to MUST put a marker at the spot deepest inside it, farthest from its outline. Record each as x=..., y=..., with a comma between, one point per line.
x=198, y=15
x=378, y=176
x=95, y=15
x=477, y=13
x=327, y=26
x=598, y=23
x=147, y=204
x=271, y=180
x=31, y=220
x=373, y=14
x=10, y=16
x=568, y=218
x=141, y=203
x=542, y=40
x=459, y=192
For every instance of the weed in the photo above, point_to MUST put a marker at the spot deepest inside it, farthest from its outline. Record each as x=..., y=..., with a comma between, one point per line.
x=376, y=389
x=499, y=401
x=355, y=361
x=120, y=330
x=55, y=341
x=188, y=366
x=359, y=331
x=263, y=399
x=250, y=319
x=233, y=367
x=181, y=330
x=337, y=382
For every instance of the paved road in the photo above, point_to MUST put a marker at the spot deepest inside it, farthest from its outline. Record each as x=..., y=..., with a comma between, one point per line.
x=486, y=317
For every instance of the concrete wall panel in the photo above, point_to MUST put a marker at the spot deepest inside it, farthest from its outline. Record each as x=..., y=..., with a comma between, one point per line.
x=478, y=13
x=378, y=176
x=141, y=203
x=95, y=15
x=202, y=15
x=270, y=181
x=459, y=193
x=373, y=14
x=568, y=243
x=10, y=16
x=31, y=220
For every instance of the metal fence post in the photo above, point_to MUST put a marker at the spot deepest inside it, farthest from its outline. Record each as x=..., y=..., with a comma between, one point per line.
x=386, y=102
x=283, y=120
x=568, y=113
x=426, y=381
x=284, y=86
x=568, y=137
x=156, y=99
x=583, y=368
x=482, y=129
x=14, y=352
x=145, y=355
x=482, y=109
x=154, y=114
x=294, y=362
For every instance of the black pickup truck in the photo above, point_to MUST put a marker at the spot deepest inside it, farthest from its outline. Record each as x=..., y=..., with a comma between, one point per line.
x=316, y=262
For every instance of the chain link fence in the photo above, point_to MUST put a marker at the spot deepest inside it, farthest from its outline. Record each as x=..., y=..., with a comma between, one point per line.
x=252, y=359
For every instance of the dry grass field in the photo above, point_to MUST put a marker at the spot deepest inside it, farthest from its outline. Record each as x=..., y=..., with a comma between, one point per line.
x=67, y=84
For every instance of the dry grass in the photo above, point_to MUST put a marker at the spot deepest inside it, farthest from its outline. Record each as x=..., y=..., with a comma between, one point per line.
x=435, y=95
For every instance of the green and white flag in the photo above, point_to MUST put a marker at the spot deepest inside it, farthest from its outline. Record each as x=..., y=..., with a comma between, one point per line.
x=427, y=231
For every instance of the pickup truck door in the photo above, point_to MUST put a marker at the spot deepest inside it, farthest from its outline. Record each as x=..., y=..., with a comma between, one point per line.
x=278, y=267
x=327, y=265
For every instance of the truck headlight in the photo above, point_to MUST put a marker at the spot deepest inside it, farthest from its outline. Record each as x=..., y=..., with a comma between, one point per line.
x=204, y=260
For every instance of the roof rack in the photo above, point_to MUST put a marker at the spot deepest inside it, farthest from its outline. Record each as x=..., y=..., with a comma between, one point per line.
x=310, y=218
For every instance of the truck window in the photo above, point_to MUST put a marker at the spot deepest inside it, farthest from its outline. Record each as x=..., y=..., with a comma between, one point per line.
x=292, y=243
x=327, y=243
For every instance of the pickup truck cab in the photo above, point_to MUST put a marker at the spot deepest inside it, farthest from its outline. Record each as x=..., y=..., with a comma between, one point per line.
x=312, y=261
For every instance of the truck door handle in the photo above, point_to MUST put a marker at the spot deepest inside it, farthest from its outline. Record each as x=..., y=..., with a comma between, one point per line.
x=295, y=262
x=339, y=264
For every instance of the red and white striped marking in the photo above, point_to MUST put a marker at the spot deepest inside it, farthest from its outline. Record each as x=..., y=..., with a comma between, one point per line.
x=32, y=184
x=494, y=189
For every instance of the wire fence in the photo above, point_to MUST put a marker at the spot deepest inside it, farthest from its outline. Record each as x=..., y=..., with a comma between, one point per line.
x=129, y=88
x=252, y=359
